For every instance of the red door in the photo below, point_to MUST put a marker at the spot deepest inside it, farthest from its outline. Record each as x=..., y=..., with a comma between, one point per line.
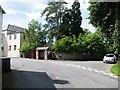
x=32, y=53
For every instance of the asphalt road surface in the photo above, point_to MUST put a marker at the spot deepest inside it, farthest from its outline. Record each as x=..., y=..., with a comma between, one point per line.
x=27, y=73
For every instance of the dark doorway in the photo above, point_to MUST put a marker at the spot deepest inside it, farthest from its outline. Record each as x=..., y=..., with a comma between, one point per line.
x=41, y=54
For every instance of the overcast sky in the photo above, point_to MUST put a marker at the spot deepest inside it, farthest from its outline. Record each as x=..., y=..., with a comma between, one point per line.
x=21, y=12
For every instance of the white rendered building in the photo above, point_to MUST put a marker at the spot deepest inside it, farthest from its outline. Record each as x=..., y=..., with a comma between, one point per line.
x=1, y=20
x=12, y=39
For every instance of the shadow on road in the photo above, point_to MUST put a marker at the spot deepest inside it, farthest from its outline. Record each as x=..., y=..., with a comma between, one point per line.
x=29, y=79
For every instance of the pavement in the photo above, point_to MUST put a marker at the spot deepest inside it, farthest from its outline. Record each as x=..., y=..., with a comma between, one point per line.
x=28, y=73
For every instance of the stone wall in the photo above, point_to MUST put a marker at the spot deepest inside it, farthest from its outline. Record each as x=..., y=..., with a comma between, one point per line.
x=76, y=56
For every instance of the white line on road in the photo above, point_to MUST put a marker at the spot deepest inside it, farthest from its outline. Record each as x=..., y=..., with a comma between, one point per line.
x=83, y=67
x=68, y=64
x=87, y=68
x=78, y=66
x=96, y=70
x=90, y=69
x=73, y=65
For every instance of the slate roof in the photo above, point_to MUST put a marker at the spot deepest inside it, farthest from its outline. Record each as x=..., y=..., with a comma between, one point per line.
x=15, y=28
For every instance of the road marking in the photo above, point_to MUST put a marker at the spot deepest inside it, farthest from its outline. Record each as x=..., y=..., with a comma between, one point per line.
x=68, y=64
x=101, y=71
x=115, y=77
x=78, y=66
x=61, y=62
x=110, y=74
x=90, y=69
x=87, y=68
x=83, y=67
x=73, y=65
x=104, y=73
x=96, y=70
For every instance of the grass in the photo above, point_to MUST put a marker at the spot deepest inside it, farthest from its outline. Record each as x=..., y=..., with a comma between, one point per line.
x=115, y=69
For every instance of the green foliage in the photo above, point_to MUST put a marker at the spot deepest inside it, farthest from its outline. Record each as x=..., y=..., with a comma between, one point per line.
x=63, y=45
x=95, y=44
x=76, y=19
x=63, y=21
x=103, y=18
x=71, y=21
x=116, y=33
x=89, y=43
x=116, y=69
x=36, y=37
x=116, y=38
x=54, y=13
x=25, y=47
x=107, y=21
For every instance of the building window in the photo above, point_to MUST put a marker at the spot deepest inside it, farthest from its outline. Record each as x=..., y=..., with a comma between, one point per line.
x=2, y=40
x=24, y=37
x=10, y=37
x=2, y=48
x=10, y=48
x=15, y=36
x=15, y=47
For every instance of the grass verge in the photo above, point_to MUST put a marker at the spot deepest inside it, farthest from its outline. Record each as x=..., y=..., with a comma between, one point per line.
x=115, y=69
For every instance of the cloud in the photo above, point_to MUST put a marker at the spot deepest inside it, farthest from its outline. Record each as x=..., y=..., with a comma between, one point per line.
x=85, y=24
x=23, y=5
x=21, y=20
x=34, y=15
x=30, y=9
x=41, y=6
x=23, y=11
x=23, y=1
x=10, y=11
x=84, y=3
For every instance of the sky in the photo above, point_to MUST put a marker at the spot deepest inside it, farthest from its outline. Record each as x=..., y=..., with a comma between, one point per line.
x=21, y=12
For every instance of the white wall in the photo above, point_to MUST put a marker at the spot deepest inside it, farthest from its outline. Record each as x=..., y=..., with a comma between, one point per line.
x=12, y=42
x=1, y=18
x=5, y=44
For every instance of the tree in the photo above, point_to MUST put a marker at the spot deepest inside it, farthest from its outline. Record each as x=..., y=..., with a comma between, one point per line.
x=76, y=19
x=71, y=21
x=116, y=33
x=105, y=17
x=63, y=45
x=89, y=43
x=54, y=13
x=36, y=37
x=65, y=27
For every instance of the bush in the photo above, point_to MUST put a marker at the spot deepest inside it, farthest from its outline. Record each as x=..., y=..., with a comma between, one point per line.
x=63, y=45
x=25, y=47
x=87, y=43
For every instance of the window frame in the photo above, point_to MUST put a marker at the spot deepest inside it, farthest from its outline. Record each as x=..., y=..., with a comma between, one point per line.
x=10, y=37
x=15, y=36
x=10, y=47
x=15, y=47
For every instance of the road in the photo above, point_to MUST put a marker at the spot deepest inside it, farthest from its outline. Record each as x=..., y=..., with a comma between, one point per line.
x=27, y=73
